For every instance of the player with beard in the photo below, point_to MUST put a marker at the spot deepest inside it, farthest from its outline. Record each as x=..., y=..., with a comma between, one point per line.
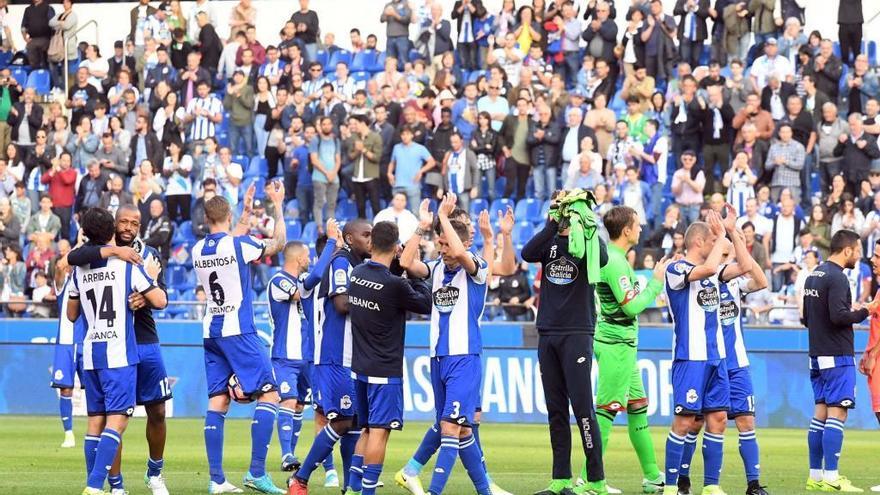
x=153, y=387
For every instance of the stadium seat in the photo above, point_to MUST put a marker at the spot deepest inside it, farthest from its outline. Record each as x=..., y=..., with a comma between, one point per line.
x=291, y=209
x=322, y=57
x=294, y=230
x=872, y=53
x=40, y=81
x=364, y=60
x=473, y=76
x=478, y=205
x=258, y=168
x=346, y=210
x=309, y=233
x=183, y=234
x=378, y=65
x=501, y=204
x=179, y=277
x=361, y=77
x=20, y=73
x=338, y=56
x=529, y=210
x=415, y=55
x=242, y=160
x=500, y=184
x=545, y=210
x=522, y=232
x=5, y=58
x=259, y=183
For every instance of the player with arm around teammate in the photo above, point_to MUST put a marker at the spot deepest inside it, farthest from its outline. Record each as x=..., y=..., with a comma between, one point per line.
x=868, y=364
x=379, y=302
x=737, y=279
x=829, y=317
x=100, y=291
x=699, y=376
x=233, y=351
x=291, y=342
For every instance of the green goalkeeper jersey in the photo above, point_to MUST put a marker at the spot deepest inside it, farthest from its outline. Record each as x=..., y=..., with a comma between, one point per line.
x=621, y=299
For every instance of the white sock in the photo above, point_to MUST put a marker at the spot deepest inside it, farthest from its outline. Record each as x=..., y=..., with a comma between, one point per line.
x=816, y=474
x=831, y=476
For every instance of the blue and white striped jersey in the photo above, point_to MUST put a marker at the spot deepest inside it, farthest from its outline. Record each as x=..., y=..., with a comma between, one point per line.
x=286, y=318
x=202, y=125
x=103, y=289
x=855, y=277
x=730, y=315
x=69, y=332
x=694, y=306
x=333, y=331
x=221, y=264
x=739, y=191
x=459, y=299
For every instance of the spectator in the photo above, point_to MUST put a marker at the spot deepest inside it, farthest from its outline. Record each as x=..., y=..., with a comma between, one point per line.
x=91, y=187
x=858, y=149
x=736, y=26
x=44, y=223
x=13, y=276
x=243, y=14
x=687, y=111
x=299, y=160
x=792, y=39
x=737, y=86
x=503, y=52
x=514, y=137
x=827, y=68
x=115, y=196
x=364, y=154
x=775, y=95
x=514, y=294
x=397, y=213
x=176, y=169
x=83, y=145
x=43, y=297
x=717, y=138
x=25, y=117
x=397, y=15
x=782, y=241
x=527, y=29
x=601, y=34
x=495, y=105
x=97, y=67
x=229, y=175
x=36, y=32
x=82, y=96
x=65, y=21
x=582, y=172
x=21, y=205
x=739, y=181
x=639, y=85
x=239, y=102
x=814, y=99
x=157, y=27
x=623, y=151
x=434, y=40
x=485, y=145
x=199, y=222
x=786, y=159
x=325, y=153
x=61, y=179
x=863, y=85
x=753, y=114
x=849, y=217
x=688, y=184
x=208, y=43
x=409, y=162
x=158, y=230
x=603, y=121
x=10, y=227
x=466, y=13
x=692, y=31
x=227, y=63
x=543, y=142
x=633, y=48
x=636, y=194
x=461, y=174
x=849, y=21
x=658, y=35
x=571, y=29
x=662, y=236
x=871, y=227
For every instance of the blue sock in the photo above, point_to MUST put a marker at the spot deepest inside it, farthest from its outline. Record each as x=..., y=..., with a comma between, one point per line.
x=296, y=425
x=475, y=428
x=214, y=422
x=356, y=475
x=285, y=430
x=261, y=436
x=687, y=453
x=748, y=450
x=814, y=442
x=65, y=408
x=371, y=478
x=674, y=448
x=472, y=460
x=445, y=462
x=115, y=482
x=832, y=443
x=430, y=444
x=107, y=448
x=346, y=450
x=90, y=448
x=154, y=467
x=713, y=455
x=327, y=463
x=321, y=448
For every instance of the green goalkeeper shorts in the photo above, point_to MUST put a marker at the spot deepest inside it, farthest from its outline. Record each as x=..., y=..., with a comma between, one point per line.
x=620, y=382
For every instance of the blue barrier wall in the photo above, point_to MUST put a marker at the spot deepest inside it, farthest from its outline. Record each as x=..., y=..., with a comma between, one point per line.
x=512, y=390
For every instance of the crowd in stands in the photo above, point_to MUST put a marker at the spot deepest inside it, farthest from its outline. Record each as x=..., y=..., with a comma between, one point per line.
x=692, y=104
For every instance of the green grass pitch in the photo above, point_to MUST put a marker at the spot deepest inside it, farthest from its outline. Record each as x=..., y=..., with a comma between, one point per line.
x=518, y=456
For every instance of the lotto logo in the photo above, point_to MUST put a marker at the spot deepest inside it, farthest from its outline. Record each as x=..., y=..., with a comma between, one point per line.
x=678, y=409
x=460, y=420
x=332, y=416
x=129, y=411
x=582, y=360
x=395, y=424
x=266, y=387
x=846, y=403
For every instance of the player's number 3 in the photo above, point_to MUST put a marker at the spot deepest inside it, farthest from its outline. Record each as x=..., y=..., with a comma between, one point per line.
x=456, y=409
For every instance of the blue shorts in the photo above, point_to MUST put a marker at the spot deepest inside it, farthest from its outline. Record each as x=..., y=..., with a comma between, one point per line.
x=152, y=380
x=111, y=390
x=379, y=405
x=304, y=384
x=834, y=387
x=456, y=384
x=67, y=361
x=742, y=395
x=336, y=394
x=700, y=387
x=246, y=356
x=289, y=373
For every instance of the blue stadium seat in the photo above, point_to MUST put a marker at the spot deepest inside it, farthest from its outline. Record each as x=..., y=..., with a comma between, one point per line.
x=222, y=137
x=183, y=234
x=415, y=55
x=364, y=60
x=346, y=210
x=259, y=182
x=309, y=233
x=501, y=204
x=522, y=232
x=5, y=58
x=338, y=56
x=528, y=210
x=258, y=168
x=20, y=73
x=872, y=53
x=478, y=239
x=500, y=184
x=294, y=230
x=545, y=210
x=836, y=49
x=473, y=76
x=40, y=81
x=478, y=205
x=361, y=77
x=242, y=160
x=291, y=209
x=379, y=64
x=179, y=277
x=322, y=57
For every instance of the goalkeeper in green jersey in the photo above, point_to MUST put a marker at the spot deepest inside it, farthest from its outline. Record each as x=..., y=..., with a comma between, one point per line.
x=621, y=300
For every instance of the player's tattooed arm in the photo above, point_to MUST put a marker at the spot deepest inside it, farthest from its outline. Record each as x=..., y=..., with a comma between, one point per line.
x=243, y=226
x=409, y=258
x=279, y=238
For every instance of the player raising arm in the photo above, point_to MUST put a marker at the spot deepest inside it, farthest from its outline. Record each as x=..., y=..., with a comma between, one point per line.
x=110, y=353
x=235, y=357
